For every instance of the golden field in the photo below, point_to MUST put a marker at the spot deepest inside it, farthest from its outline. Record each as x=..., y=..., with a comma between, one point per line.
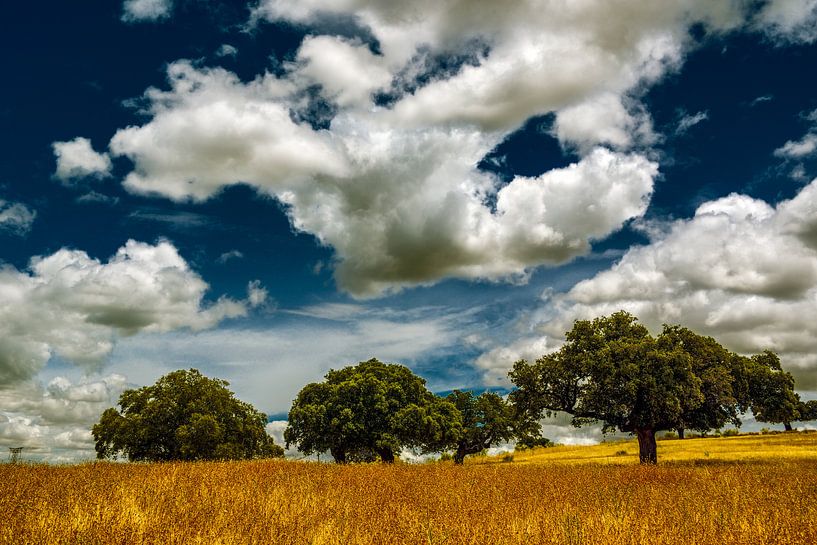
x=741, y=490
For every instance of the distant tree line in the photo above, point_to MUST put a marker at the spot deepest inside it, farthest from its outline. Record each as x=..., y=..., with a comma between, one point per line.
x=609, y=370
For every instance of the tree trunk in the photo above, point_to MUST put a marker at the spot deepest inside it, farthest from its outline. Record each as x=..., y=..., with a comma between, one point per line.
x=680, y=433
x=787, y=426
x=459, y=456
x=338, y=454
x=386, y=455
x=647, y=450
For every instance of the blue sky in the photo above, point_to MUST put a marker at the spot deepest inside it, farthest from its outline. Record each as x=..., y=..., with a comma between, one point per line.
x=268, y=189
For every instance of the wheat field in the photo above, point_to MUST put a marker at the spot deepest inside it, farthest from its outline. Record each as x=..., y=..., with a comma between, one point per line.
x=564, y=495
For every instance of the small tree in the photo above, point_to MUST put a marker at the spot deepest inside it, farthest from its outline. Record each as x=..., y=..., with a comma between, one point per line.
x=372, y=408
x=771, y=391
x=184, y=416
x=487, y=420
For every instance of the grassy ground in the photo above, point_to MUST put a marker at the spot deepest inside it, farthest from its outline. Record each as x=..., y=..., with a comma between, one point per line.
x=748, y=490
x=742, y=448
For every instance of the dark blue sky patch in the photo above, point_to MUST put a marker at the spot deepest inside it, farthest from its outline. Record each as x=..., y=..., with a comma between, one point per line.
x=753, y=95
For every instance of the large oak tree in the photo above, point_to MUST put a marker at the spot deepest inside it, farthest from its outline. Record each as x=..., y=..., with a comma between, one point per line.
x=369, y=410
x=184, y=416
x=612, y=370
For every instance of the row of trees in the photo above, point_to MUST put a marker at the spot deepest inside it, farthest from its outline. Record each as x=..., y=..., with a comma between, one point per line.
x=373, y=410
x=609, y=370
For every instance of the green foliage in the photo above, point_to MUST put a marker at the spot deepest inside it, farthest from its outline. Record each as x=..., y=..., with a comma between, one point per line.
x=722, y=392
x=610, y=370
x=486, y=420
x=533, y=441
x=807, y=411
x=771, y=390
x=184, y=416
x=368, y=410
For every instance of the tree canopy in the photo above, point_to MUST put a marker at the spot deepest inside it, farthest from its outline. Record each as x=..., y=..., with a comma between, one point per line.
x=369, y=410
x=183, y=416
x=771, y=391
x=807, y=410
x=487, y=420
x=612, y=370
x=723, y=387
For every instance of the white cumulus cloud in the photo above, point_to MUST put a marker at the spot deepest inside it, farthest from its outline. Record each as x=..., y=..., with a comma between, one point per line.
x=347, y=72
x=146, y=10
x=400, y=206
x=393, y=186
x=74, y=306
x=77, y=159
x=603, y=120
x=53, y=421
x=739, y=270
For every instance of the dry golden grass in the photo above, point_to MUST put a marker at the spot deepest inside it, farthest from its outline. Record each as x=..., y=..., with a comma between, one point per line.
x=768, y=499
x=743, y=448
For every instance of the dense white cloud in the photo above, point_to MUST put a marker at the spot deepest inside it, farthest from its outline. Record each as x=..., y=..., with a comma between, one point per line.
x=603, y=120
x=16, y=217
x=542, y=56
x=210, y=130
x=399, y=206
x=393, y=186
x=74, y=306
x=53, y=421
x=256, y=294
x=146, y=10
x=275, y=429
x=739, y=270
x=347, y=72
x=77, y=159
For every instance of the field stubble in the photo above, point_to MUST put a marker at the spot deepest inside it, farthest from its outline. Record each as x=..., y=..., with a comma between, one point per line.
x=749, y=501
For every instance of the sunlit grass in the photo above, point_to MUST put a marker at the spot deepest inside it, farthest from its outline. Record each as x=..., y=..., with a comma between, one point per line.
x=766, y=493
x=772, y=447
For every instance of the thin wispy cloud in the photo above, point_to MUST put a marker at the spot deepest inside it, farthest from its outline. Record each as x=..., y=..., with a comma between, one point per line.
x=687, y=121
